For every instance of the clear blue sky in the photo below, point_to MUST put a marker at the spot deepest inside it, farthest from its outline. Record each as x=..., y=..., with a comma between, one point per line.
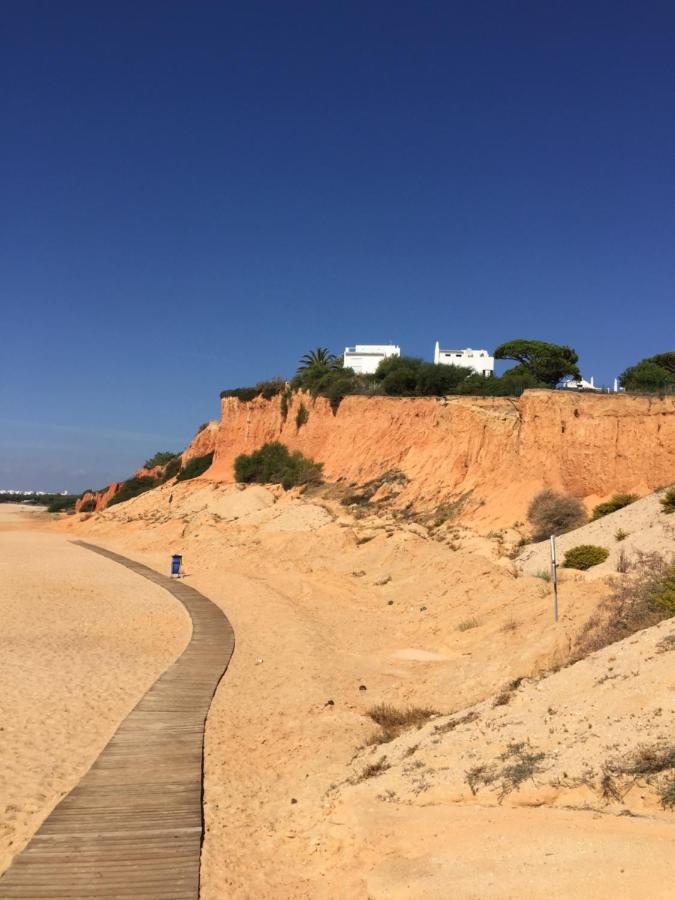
x=194, y=194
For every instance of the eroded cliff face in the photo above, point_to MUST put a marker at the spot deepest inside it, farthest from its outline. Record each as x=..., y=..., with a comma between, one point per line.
x=203, y=442
x=493, y=453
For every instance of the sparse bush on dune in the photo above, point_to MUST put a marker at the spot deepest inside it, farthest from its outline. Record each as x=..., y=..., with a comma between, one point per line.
x=668, y=500
x=194, y=467
x=273, y=463
x=585, y=556
x=618, y=501
x=639, y=600
x=393, y=721
x=553, y=513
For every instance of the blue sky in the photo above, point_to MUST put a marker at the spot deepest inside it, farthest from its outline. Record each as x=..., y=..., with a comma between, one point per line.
x=193, y=195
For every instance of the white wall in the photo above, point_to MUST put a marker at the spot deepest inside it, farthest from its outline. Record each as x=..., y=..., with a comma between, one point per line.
x=365, y=358
x=478, y=360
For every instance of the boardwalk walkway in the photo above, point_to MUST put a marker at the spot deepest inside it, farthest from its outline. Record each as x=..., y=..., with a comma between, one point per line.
x=132, y=828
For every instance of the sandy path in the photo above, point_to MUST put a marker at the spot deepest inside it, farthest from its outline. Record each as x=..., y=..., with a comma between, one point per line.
x=80, y=644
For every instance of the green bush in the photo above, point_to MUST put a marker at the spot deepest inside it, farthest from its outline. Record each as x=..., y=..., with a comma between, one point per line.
x=161, y=458
x=274, y=464
x=60, y=504
x=196, y=466
x=243, y=394
x=554, y=513
x=301, y=417
x=133, y=487
x=618, y=501
x=284, y=404
x=264, y=389
x=171, y=469
x=651, y=375
x=584, y=556
x=668, y=500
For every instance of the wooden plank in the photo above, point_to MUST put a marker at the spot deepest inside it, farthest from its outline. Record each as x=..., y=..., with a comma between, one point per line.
x=132, y=827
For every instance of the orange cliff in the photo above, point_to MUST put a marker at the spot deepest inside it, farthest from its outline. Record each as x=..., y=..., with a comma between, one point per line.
x=495, y=452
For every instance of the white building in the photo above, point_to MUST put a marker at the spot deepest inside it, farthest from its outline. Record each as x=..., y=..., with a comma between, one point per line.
x=365, y=358
x=581, y=385
x=478, y=360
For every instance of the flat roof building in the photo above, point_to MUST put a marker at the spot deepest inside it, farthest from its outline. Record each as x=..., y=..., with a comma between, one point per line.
x=365, y=358
x=478, y=360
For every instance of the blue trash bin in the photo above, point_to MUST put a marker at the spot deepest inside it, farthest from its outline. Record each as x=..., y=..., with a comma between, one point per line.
x=176, y=561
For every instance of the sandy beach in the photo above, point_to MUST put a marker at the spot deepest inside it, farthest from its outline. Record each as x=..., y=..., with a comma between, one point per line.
x=332, y=616
x=82, y=640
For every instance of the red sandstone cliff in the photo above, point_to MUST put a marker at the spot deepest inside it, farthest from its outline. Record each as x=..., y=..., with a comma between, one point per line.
x=502, y=450
x=203, y=442
x=495, y=452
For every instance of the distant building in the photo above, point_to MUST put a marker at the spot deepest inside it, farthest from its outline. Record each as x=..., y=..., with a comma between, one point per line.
x=365, y=358
x=478, y=360
x=580, y=385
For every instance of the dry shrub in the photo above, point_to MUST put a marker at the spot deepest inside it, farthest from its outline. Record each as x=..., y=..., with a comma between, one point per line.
x=639, y=600
x=668, y=500
x=394, y=722
x=553, y=513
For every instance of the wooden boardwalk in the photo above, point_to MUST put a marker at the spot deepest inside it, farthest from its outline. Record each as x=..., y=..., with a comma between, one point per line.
x=132, y=828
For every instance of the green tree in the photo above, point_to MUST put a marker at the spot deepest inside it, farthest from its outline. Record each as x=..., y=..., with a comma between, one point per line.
x=654, y=373
x=398, y=375
x=161, y=458
x=548, y=363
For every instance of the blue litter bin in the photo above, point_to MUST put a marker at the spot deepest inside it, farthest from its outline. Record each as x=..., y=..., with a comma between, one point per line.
x=176, y=561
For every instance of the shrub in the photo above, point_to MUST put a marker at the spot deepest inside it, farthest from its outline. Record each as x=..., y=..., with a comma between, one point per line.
x=264, y=389
x=161, y=458
x=284, y=404
x=194, y=467
x=668, y=500
x=88, y=506
x=133, y=487
x=620, y=534
x=394, y=722
x=60, y=504
x=584, y=556
x=273, y=463
x=171, y=469
x=202, y=427
x=301, y=417
x=640, y=600
x=468, y=624
x=243, y=394
x=554, y=513
x=618, y=501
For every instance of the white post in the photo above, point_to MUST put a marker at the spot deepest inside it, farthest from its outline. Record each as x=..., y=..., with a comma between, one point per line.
x=554, y=579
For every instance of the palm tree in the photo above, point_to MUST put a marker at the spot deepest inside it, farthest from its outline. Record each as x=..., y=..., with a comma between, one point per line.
x=318, y=361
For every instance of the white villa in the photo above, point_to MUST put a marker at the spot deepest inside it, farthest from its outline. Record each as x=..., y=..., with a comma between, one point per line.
x=479, y=360
x=583, y=385
x=365, y=358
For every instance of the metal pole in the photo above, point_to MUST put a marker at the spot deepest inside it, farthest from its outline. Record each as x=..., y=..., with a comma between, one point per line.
x=554, y=579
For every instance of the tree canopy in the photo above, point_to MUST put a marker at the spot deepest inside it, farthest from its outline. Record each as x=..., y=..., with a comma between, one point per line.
x=547, y=363
x=654, y=373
